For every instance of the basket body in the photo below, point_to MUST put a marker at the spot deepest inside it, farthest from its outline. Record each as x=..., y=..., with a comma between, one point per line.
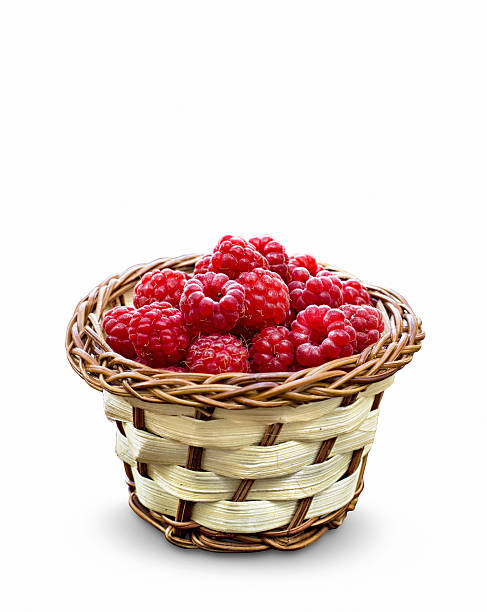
x=241, y=462
x=245, y=480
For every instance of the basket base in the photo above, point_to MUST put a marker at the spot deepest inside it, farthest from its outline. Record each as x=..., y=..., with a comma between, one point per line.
x=192, y=535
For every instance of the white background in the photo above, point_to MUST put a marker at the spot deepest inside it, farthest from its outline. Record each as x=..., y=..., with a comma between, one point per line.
x=352, y=130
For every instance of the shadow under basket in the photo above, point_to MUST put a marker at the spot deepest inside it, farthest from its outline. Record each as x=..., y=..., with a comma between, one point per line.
x=241, y=462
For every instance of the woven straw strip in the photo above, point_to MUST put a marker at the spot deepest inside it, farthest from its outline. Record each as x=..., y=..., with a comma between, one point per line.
x=247, y=516
x=207, y=486
x=223, y=434
x=249, y=462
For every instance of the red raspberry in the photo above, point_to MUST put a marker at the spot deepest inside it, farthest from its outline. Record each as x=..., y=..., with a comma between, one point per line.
x=355, y=293
x=176, y=368
x=212, y=303
x=233, y=255
x=217, y=353
x=321, y=333
x=116, y=325
x=275, y=254
x=266, y=299
x=160, y=286
x=271, y=350
x=305, y=261
x=202, y=265
x=367, y=322
x=322, y=289
x=159, y=334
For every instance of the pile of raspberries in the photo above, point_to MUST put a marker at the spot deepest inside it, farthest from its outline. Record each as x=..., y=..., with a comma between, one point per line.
x=248, y=307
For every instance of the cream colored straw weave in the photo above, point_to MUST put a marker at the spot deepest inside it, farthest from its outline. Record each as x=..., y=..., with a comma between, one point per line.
x=284, y=473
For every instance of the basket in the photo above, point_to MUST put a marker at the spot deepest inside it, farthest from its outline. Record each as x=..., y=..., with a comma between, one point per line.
x=241, y=462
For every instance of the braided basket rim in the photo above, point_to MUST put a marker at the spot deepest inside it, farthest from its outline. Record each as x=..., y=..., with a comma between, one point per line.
x=95, y=362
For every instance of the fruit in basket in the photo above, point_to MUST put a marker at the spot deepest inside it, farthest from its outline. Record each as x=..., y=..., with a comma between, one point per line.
x=291, y=312
x=116, y=325
x=160, y=286
x=266, y=299
x=355, y=293
x=217, y=353
x=233, y=255
x=320, y=334
x=159, y=335
x=212, y=303
x=275, y=254
x=367, y=322
x=271, y=350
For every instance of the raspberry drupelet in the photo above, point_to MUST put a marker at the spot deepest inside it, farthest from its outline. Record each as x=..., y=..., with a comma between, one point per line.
x=266, y=299
x=116, y=325
x=212, y=303
x=271, y=350
x=217, y=353
x=367, y=322
x=233, y=255
x=320, y=334
x=159, y=334
x=160, y=286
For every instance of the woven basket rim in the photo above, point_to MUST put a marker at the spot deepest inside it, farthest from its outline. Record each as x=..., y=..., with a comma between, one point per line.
x=93, y=360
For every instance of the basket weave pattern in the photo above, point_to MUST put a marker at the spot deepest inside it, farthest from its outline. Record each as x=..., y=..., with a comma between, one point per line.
x=241, y=462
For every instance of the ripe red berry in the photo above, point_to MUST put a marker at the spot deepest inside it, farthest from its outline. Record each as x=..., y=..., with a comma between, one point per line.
x=233, y=255
x=320, y=334
x=159, y=334
x=160, y=286
x=322, y=289
x=355, y=293
x=271, y=350
x=266, y=299
x=116, y=325
x=275, y=254
x=367, y=322
x=202, y=265
x=212, y=303
x=217, y=353
x=305, y=261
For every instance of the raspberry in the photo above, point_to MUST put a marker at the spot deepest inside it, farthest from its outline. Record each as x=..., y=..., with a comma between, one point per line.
x=116, y=325
x=160, y=286
x=322, y=289
x=367, y=322
x=266, y=299
x=275, y=254
x=271, y=350
x=233, y=255
x=176, y=368
x=212, y=303
x=159, y=334
x=305, y=261
x=217, y=353
x=321, y=333
x=355, y=293
x=202, y=265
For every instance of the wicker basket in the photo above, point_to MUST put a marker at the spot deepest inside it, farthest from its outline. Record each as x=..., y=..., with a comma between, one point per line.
x=241, y=462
